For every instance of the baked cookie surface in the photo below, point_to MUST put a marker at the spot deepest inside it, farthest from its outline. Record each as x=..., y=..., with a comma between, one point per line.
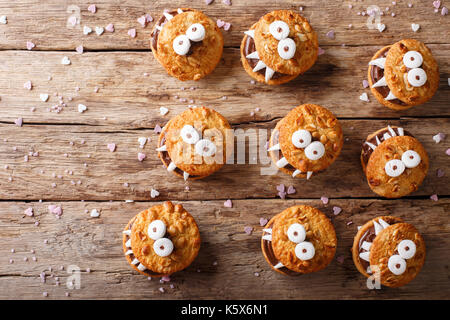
x=195, y=143
x=301, y=238
x=187, y=43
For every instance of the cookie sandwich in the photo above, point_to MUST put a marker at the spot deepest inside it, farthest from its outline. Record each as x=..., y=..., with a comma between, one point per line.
x=161, y=240
x=403, y=75
x=390, y=249
x=187, y=43
x=299, y=240
x=306, y=141
x=395, y=163
x=195, y=143
x=279, y=47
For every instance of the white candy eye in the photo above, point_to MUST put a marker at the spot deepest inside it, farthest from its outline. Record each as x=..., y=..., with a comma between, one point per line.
x=397, y=265
x=315, y=150
x=406, y=249
x=412, y=59
x=196, y=32
x=205, y=148
x=394, y=168
x=286, y=48
x=279, y=30
x=296, y=233
x=305, y=250
x=156, y=229
x=163, y=247
x=417, y=77
x=411, y=159
x=301, y=138
x=181, y=45
x=189, y=134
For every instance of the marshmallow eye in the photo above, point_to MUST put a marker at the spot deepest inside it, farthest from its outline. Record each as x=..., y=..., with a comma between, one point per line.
x=406, y=249
x=196, y=32
x=417, y=77
x=181, y=45
x=305, y=250
x=397, y=265
x=189, y=134
x=286, y=48
x=301, y=138
x=412, y=59
x=156, y=230
x=205, y=148
x=163, y=247
x=394, y=168
x=296, y=233
x=279, y=30
x=315, y=150
x=410, y=159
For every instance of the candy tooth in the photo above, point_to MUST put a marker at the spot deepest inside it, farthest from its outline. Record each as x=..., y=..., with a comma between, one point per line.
x=391, y=131
x=386, y=136
x=400, y=132
x=366, y=245
x=135, y=261
x=179, y=10
x=168, y=16
x=260, y=65
x=390, y=96
x=295, y=173
x=128, y=243
x=162, y=148
x=378, y=227
x=250, y=33
x=268, y=230
x=383, y=223
x=308, y=175
x=282, y=163
x=127, y=232
x=269, y=73
x=378, y=140
x=380, y=83
x=253, y=55
x=185, y=175
x=267, y=237
x=141, y=267
x=171, y=167
x=275, y=147
x=365, y=255
x=278, y=265
x=378, y=62
x=371, y=145
x=129, y=252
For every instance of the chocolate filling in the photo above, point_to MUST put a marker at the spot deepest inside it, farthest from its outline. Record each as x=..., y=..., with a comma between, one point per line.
x=250, y=47
x=376, y=73
x=367, y=150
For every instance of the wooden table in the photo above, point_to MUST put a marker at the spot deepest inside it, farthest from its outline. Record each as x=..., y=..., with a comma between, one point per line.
x=74, y=169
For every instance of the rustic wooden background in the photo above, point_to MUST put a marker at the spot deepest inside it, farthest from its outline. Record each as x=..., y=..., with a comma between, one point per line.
x=75, y=170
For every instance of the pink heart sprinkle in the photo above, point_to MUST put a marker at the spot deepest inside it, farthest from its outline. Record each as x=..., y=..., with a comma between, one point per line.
x=365, y=83
x=132, y=33
x=111, y=147
x=434, y=197
x=73, y=20
x=30, y=45
x=148, y=17
x=263, y=222
x=157, y=129
x=220, y=23
x=282, y=195
x=448, y=152
x=291, y=190
x=228, y=204
x=141, y=156
x=336, y=210
x=281, y=187
x=29, y=212
x=227, y=26
x=437, y=4
x=444, y=11
x=321, y=51
x=248, y=230
x=79, y=49
x=440, y=173
x=142, y=21
x=110, y=27
x=55, y=210
x=324, y=200
x=27, y=85
x=330, y=34
x=92, y=8
x=18, y=122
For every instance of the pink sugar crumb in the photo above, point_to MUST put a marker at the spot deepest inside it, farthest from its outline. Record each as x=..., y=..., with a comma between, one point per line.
x=228, y=204
x=337, y=210
x=132, y=33
x=434, y=197
x=165, y=278
x=30, y=45
x=330, y=34
x=29, y=212
x=110, y=27
x=365, y=83
x=157, y=129
x=263, y=222
x=92, y=8
x=28, y=85
x=141, y=156
x=321, y=51
x=111, y=147
x=142, y=21
x=340, y=259
x=248, y=230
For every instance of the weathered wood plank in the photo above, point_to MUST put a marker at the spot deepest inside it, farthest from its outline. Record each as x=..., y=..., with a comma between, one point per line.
x=128, y=99
x=31, y=19
x=106, y=172
x=77, y=239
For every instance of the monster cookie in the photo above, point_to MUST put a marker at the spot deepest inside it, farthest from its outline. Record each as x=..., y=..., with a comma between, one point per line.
x=187, y=43
x=403, y=75
x=161, y=240
x=395, y=163
x=306, y=141
x=196, y=143
x=279, y=47
x=299, y=240
x=390, y=249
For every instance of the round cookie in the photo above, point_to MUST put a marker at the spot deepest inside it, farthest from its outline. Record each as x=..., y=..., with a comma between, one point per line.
x=195, y=143
x=397, y=166
x=310, y=139
x=411, y=72
x=187, y=43
x=302, y=240
x=165, y=238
